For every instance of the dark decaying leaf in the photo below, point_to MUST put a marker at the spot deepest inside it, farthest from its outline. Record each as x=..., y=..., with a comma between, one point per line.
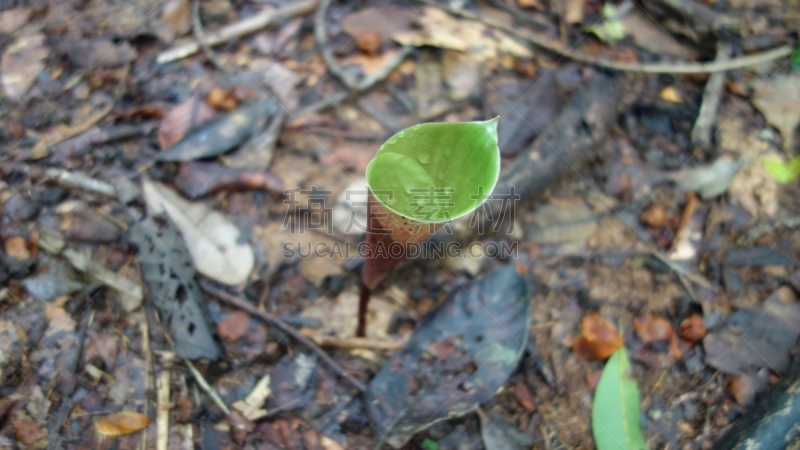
x=500, y=434
x=169, y=274
x=222, y=133
x=457, y=358
x=293, y=382
x=196, y=179
x=753, y=338
x=53, y=278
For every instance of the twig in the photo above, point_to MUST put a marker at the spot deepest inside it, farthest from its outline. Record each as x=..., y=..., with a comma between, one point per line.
x=683, y=272
x=80, y=180
x=701, y=131
x=200, y=37
x=285, y=328
x=238, y=29
x=663, y=68
x=207, y=387
x=336, y=69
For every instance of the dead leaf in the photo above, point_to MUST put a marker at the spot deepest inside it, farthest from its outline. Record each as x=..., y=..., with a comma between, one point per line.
x=279, y=78
x=744, y=388
x=499, y=433
x=100, y=52
x=599, y=338
x=170, y=277
x=653, y=216
x=213, y=241
x=481, y=43
x=182, y=118
x=709, y=180
x=221, y=98
x=13, y=19
x=460, y=74
x=231, y=328
x=17, y=248
x=779, y=102
x=252, y=407
x=354, y=155
x=64, y=132
x=27, y=432
x=692, y=329
x=176, y=15
x=22, y=62
x=656, y=329
x=386, y=21
x=121, y=423
x=651, y=36
x=369, y=42
x=755, y=338
x=370, y=64
x=197, y=179
x=573, y=9
x=563, y=222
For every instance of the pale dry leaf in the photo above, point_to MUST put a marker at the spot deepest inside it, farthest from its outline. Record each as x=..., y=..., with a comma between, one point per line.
x=460, y=74
x=439, y=29
x=213, y=241
x=650, y=36
x=176, y=15
x=709, y=180
x=370, y=64
x=121, y=423
x=386, y=21
x=252, y=407
x=13, y=19
x=22, y=62
x=779, y=102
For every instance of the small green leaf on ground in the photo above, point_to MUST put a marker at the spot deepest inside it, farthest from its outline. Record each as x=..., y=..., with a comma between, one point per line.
x=615, y=412
x=782, y=172
x=430, y=444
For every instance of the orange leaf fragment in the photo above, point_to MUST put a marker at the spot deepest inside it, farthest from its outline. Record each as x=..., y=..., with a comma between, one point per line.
x=118, y=424
x=599, y=338
x=692, y=329
x=656, y=329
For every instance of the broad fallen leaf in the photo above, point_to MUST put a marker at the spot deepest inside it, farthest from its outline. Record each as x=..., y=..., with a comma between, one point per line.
x=22, y=61
x=213, y=241
x=176, y=15
x=779, y=102
x=460, y=74
x=615, y=410
x=598, y=339
x=709, y=180
x=121, y=423
x=457, y=358
x=170, y=277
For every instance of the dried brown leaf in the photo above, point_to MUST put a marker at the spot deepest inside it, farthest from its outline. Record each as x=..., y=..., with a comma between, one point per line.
x=651, y=329
x=599, y=338
x=121, y=423
x=779, y=102
x=182, y=118
x=231, y=328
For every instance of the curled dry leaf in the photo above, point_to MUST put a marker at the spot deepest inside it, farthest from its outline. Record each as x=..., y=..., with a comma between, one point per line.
x=121, y=423
x=656, y=329
x=599, y=338
x=692, y=329
x=213, y=241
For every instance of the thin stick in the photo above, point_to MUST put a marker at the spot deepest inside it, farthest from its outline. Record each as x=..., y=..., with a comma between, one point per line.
x=245, y=305
x=200, y=37
x=665, y=68
x=207, y=387
x=238, y=29
x=701, y=131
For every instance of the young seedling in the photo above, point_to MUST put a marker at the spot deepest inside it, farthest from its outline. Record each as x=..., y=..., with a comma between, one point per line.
x=421, y=178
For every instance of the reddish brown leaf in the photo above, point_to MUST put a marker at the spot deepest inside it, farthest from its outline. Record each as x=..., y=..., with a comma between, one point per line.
x=654, y=216
x=369, y=42
x=599, y=338
x=239, y=425
x=692, y=329
x=524, y=396
x=182, y=118
x=27, y=432
x=222, y=99
x=656, y=329
x=232, y=327
x=17, y=248
x=118, y=424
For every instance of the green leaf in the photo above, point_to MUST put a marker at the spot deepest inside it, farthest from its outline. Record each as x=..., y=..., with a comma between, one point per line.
x=782, y=172
x=436, y=172
x=430, y=444
x=795, y=58
x=615, y=412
